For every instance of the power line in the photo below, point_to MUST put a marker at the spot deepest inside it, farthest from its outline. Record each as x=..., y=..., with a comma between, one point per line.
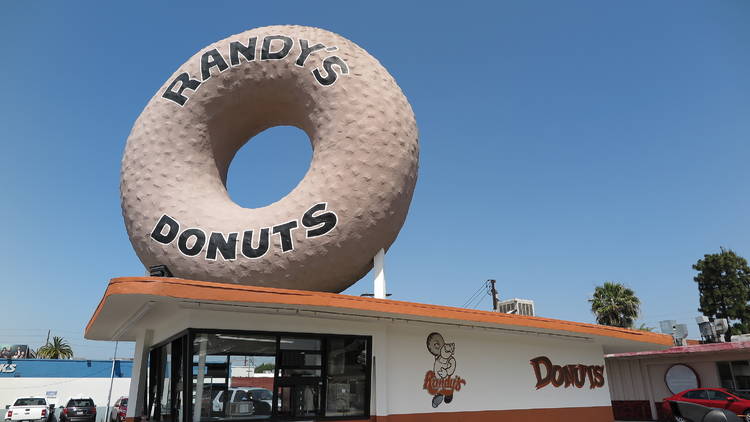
x=471, y=298
x=481, y=299
x=474, y=296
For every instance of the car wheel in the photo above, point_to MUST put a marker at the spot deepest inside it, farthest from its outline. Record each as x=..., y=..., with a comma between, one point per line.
x=746, y=415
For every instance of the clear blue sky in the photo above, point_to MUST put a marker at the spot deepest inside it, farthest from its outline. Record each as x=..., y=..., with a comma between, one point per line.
x=562, y=144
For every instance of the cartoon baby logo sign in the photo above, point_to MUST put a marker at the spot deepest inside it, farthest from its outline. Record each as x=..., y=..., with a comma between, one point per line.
x=441, y=382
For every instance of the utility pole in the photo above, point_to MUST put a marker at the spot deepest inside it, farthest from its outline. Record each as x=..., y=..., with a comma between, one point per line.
x=111, y=380
x=47, y=342
x=493, y=292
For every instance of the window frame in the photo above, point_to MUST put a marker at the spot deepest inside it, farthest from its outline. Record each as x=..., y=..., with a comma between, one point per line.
x=155, y=375
x=695, y=373
x=186, y=338
x=731, y=368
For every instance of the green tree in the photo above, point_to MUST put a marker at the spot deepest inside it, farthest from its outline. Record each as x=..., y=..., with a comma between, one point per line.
x=724, y=286
x=264, y=367
x=644, y=327
x=58, y=348
x=615, y=305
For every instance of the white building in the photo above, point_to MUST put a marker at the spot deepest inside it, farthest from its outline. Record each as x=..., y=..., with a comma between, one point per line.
x=354, y=358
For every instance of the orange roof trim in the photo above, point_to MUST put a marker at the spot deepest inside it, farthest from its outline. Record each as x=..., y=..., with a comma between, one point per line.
x=223, y=292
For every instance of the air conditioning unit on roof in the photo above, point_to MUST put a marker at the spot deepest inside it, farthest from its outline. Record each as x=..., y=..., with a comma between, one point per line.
x=516, y=306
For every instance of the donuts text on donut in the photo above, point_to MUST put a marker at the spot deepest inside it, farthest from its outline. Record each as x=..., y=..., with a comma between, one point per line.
x=215, y=59
x=192, y=240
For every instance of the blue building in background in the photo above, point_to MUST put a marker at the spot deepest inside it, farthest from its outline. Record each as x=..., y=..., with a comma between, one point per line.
x=60, y=379
x=63, y=368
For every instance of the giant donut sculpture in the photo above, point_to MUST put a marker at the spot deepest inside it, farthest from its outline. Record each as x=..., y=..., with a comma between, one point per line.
x=324, y=234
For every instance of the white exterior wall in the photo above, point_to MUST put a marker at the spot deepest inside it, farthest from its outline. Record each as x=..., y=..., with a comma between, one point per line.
x=630, y=379
x=495, y=364
x=707, y=372
x=96, y=388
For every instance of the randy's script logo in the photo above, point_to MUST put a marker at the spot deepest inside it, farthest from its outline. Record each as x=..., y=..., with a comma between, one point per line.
x=441, y=382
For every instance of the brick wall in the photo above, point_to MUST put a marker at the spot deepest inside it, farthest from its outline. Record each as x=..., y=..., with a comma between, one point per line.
x=261, y=382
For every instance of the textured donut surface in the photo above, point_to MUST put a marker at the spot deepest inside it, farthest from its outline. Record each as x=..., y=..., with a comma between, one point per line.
x=323, y=235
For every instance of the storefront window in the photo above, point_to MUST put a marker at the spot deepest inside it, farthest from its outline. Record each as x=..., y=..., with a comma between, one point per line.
x=242, y=376
x=299, y=377
x=224, y=377
x=290, y=343
x=165, y=385
x=725, y=375
x=741, y=372
x=154, y=379
x=347, y=377
x=165, y=405
x=735, y=375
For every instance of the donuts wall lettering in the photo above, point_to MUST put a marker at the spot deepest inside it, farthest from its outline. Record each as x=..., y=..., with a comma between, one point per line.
x=566, y=375
x=323, y=235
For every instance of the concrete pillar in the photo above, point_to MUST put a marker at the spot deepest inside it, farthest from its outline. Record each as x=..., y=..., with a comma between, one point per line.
x=139, y=377
x=379, y=387
x=378, y=264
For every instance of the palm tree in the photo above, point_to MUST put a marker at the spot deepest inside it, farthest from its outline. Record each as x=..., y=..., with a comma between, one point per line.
x=57, y=349
x=615, y=305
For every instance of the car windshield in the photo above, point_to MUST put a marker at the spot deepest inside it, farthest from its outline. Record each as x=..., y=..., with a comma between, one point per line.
x=30, y=402
x=740, y=394
x=124, y=402
x=81, y=403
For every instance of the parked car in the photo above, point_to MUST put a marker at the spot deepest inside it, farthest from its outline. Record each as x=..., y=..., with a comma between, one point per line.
x=208, y=407
x=683, y=411
x=720, y=398
x=28, y=409
x=241, y=403
x=263, y=394
x=117, y=414
x=78, y=409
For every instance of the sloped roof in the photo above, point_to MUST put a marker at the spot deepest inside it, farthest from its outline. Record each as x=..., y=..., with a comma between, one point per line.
x=689, y=350
x=210, y=292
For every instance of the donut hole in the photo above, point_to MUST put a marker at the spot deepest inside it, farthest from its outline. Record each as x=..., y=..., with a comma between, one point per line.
x=269, y=166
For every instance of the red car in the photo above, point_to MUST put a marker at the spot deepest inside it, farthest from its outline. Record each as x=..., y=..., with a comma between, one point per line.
x=721, y=398
x=119, y=410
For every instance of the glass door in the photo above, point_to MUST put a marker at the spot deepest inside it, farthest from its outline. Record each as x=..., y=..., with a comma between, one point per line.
x=346, y=370
x=228, y=377
x=299, y=378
